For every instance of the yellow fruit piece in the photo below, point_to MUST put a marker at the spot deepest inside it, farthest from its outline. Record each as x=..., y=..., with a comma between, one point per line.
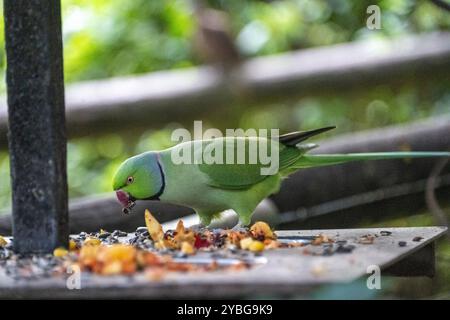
x=183, y=235
x=114, y=267
x=180, y=227
x=256, y=246
x=262, y=229
x=92, y=242
x=117, y=258
x=153, y=226
x=271, y=244
x=187, y=248
x=60, y=252
x=117, y=252
x=160, y=245
x=88, y=255
x=245, y=243
x=3, y=242
x=72, y=245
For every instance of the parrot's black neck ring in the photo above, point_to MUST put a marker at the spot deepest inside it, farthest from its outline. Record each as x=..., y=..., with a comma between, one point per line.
x=163, y=186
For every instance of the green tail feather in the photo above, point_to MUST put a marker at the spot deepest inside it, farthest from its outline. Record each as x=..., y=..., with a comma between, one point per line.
x=308, y=161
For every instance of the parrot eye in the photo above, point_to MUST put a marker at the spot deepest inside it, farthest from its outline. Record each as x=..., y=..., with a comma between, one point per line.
x=130, y=180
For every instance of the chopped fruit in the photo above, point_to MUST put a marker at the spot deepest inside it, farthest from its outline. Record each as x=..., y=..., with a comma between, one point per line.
x=321, y=238
x=367, y=239
x=146, y=258
x=235, y=238
x=116, y=252
x=261, y=230
x=88, y=256
x=180, y=227
x=153, y=226
x=114, y=267
x=245, y=243
x=2, y=242
x=182, y=235
x=187, y=248
x=72, y=245
x=60, y=252
x=92, y=242
x=271, y=244
x=201, y=242
x=256, y=246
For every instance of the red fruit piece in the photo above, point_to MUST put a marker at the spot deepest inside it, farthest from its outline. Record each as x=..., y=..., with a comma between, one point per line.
x=200, y=242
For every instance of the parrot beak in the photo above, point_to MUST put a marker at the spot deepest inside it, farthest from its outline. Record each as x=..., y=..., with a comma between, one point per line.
x=125, y=200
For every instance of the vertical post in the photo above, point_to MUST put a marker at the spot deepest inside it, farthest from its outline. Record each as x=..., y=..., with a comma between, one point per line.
x=37, y=138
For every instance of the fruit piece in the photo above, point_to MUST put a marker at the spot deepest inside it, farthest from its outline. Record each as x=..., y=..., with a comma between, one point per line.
x=92, y=242
x=72, y=245
x=256, y=246
x=321, y=238
x=88, y=256
x=245, y=243
x=271, y=244
x=153, y=226
x=187, y=248
x=180, y=227
x=117, y=252
x=60, y=252
x=262, y=230
x=3, y=241
x=146, y=258
x=235, y=238
x=183, y=235
x=201, y=242
x=114, y=267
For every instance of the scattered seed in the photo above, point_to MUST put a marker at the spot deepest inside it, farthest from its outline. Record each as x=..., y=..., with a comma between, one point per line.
x=118, y=233
x=417, y=239
x=402, y=243
x=366, y=239
x=345, y=248
x=141, y=229
x=104, y=235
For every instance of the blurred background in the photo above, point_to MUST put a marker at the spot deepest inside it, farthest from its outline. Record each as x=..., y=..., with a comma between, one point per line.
x=105, y=39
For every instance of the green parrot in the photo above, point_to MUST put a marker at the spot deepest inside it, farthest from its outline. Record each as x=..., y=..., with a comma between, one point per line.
x=211, y=187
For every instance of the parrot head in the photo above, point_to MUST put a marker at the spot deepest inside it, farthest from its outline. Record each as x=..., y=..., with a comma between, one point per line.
x=139, y=178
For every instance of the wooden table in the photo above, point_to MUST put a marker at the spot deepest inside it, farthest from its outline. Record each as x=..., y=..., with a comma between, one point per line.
x=285, y=272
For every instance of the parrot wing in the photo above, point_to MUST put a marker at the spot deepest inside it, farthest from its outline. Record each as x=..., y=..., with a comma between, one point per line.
x=236, y=176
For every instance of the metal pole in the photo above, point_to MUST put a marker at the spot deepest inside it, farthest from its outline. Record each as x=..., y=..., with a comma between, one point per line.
x=37, y=138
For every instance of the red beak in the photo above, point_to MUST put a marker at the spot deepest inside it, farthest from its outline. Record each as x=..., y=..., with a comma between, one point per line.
x=123, y=198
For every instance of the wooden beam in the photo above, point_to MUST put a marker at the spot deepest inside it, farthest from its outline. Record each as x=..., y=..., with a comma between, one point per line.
x=153, y=99
x=37, y=139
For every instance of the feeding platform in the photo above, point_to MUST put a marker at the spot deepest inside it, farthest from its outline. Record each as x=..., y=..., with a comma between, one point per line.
x=276, y=272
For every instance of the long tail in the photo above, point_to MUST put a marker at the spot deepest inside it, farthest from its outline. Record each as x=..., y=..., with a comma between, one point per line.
x=309, y=160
